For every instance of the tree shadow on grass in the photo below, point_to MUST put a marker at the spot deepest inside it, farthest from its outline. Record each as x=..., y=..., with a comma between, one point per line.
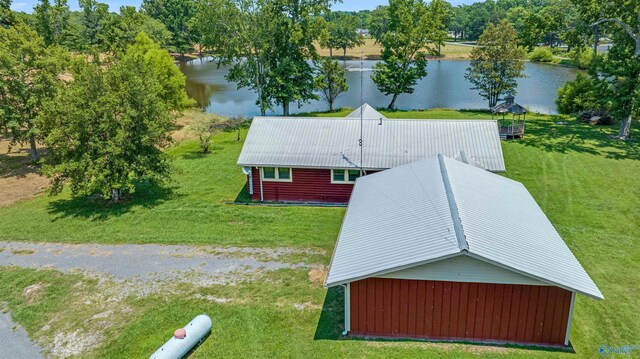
x=146, y=195
x=331, y=323
x=553, y=136
x=18, y=163
x=196, y=155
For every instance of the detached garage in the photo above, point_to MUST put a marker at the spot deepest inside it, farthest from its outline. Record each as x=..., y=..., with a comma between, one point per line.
x=438, y=249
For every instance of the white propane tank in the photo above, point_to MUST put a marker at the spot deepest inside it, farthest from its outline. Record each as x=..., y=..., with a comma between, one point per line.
x=175, y=348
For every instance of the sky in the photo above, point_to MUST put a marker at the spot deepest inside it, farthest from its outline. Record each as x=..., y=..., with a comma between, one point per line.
x=114, y=5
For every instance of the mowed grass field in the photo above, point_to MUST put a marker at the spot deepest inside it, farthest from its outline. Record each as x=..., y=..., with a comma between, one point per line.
x=587, y=184
x=371, y=51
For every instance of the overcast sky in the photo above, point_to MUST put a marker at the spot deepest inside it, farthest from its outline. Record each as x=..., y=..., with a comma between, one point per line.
x=347, y=5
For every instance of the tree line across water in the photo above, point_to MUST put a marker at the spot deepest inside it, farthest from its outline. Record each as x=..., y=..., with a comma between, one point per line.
x=100, y=89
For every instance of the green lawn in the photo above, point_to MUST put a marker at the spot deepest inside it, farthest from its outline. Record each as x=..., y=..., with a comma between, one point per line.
x=189, y=209
x=587, y=185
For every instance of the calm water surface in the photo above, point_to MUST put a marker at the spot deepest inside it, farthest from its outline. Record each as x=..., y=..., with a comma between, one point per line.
x=444, y=86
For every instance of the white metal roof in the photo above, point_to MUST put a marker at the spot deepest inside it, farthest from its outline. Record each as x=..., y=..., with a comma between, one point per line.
x=438, y=208
x=367, y=112
x=334, y=142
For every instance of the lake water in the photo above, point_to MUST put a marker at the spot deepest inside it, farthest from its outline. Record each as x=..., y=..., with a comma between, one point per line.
x=444, y=86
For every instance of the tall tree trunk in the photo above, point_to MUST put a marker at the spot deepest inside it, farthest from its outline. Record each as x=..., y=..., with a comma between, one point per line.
x=344, y=53
x=116, y=194
x=330, y=106
x=330, y=52
x=596, y=40
x=285, y=108
x=392, y=105
x=33, y=152
x=624, y=133
x=439, y=52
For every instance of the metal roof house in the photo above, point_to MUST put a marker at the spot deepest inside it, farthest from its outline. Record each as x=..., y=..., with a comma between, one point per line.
x=365, y=111
x=438, y=249
x=295, y=159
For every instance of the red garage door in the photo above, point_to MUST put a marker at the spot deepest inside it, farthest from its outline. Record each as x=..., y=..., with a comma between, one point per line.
x=459, y=311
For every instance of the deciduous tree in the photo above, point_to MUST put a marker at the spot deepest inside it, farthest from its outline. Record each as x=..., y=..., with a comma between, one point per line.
x=343, y=33
x=204, y=126
x=617, y=75
x=576, y=96
x=410, y=29
x=496, y=63
x=267, y=43
x=177, y=16
x=330, y=81
x=6, y=15
x=106, y=130
x=29, y=76
x=96, y=23
x=131, y=23
x=52, y=22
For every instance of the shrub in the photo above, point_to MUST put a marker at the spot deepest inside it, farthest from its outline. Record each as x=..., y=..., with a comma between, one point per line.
x=576, y=96
x=205, y=126
x=581, y=58
x=541, y=54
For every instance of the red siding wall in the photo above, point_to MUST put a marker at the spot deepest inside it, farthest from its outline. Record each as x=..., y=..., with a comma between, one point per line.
x=459, y=311
x=308, y=185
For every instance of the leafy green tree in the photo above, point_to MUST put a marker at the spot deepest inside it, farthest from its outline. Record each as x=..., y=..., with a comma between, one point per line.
x=496, y=63
x=131, y=23
x=43, y=22
x=410, y=29
x=330, y=81
x=378, y=22
x=576, y=96
x=267, y=44
x=440, y=13
x=205, y=126
x=177, y=16
x=60, y=22
x=343, y=33
x=478, y=18
x=6, y=15
x=617, y=75
x=238, y=33
x=517, y=16
x=52, y=22
x=457, y=22
x=29, y=76
x=106, y=130
x=96, y=26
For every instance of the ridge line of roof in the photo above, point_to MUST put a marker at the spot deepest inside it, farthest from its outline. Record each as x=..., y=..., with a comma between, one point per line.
x=463, y=245
x=427, y=120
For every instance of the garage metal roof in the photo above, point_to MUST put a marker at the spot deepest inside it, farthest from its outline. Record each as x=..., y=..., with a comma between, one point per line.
x=439, y=208
x=333, y=142
x=367, y=112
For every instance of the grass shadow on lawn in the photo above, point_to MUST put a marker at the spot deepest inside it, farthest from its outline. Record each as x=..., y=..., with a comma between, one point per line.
x=575, y=136
x=147, y=195
x=331, y=322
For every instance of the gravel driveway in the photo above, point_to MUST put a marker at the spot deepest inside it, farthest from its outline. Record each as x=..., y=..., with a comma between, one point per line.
x=150, y=262
x=140, y=270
